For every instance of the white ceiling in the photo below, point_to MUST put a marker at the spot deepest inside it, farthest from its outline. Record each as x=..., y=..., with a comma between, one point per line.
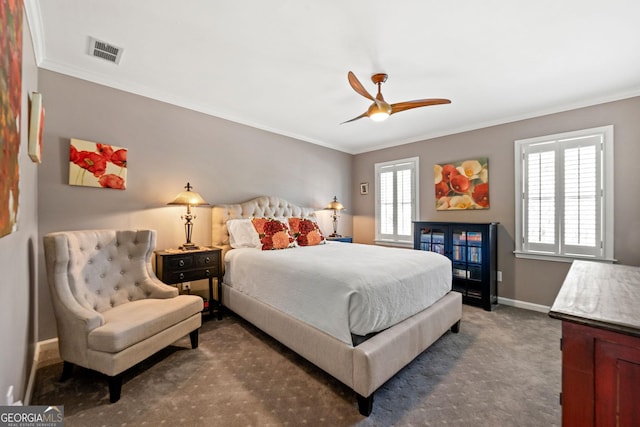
x=281, y=65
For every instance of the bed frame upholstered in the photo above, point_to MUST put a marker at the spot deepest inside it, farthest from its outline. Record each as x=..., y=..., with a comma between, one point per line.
x=364, y=367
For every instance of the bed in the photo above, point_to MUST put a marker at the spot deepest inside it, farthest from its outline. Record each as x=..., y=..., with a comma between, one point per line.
x=363, y=359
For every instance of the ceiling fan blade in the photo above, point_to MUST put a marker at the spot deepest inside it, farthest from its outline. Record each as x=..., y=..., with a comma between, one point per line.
x=402, y=106
x=356, y=118
x=357, y=86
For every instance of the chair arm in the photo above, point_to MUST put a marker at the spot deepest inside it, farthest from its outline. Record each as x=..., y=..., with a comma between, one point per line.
x=74, y=324
x=155, y=288
x=82, y=319
x=68, y=310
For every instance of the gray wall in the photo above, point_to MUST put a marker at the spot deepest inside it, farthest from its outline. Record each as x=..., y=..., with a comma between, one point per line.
x=18, y=288
x=226, y=163
x=526, y=280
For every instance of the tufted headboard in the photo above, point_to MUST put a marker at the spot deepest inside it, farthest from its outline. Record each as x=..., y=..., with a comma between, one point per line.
x=265, y=206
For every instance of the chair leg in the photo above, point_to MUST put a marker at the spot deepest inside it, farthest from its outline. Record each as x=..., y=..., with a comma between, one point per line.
x=67, y=369
x=365, y=404
x=194, y=338
x=115, y=387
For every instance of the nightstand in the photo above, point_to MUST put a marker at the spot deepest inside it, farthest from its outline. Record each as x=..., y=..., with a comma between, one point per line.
x=345, y=239
x=176, y=266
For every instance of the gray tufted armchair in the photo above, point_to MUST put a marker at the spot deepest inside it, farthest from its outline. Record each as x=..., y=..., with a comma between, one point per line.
x=111, y=310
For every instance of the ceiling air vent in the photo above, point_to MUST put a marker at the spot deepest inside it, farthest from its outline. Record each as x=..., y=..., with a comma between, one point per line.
x=105, y=50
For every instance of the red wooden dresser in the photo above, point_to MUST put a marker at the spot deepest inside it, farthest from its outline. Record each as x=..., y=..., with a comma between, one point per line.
x=599, y=305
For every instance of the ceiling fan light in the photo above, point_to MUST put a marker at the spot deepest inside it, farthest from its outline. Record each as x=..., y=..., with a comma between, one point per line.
x=379, y=111
x=379, y=116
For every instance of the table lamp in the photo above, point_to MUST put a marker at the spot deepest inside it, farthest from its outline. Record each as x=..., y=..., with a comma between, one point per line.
x=335, y=206
x=188, y=198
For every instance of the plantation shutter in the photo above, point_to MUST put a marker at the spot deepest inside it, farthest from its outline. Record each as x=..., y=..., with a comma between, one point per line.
x=405, y=201
x=562, y=196
x=386, y=202
x=396, y=200
x=582, y=190
x=540, y=198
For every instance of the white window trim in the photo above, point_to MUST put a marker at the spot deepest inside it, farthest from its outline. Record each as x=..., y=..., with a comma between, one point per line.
x=379, y=240
x=607, y=200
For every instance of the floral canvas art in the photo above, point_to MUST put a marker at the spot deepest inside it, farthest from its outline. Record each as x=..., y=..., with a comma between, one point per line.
x=10, y=108
x=94, y=164
x=462, y=185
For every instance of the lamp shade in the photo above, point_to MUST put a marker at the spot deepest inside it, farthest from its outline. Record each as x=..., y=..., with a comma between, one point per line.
x=335, y=205
x=188, y=198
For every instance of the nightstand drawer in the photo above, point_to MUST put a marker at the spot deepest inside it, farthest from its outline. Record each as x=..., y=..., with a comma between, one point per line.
x=180, y=262
x=189, y=275
x=205, y=260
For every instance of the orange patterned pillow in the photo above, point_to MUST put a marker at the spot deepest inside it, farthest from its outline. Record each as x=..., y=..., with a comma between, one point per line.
x=306, y=232
x=273, y=234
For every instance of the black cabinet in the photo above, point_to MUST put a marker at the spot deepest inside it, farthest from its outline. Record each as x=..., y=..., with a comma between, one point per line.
x=473, y=251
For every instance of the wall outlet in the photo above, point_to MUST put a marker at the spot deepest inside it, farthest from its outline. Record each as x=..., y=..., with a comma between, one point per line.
x=499, y=276
x=186, y=286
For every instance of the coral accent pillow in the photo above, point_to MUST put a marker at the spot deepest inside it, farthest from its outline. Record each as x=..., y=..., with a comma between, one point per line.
x=306, y=232
x=273, y=234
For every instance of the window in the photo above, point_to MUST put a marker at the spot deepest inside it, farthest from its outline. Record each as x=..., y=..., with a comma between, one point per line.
x=564, y=195
x=396, y=201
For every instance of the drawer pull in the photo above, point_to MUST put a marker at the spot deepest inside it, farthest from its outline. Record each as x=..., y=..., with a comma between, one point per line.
x=207, y=260
x=181, y=275
x=181, y=263
x=208, y=273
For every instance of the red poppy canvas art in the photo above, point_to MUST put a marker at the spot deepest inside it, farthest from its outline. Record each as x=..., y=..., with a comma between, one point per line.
x=462, y=185
x=94, y=164
x=10, y=108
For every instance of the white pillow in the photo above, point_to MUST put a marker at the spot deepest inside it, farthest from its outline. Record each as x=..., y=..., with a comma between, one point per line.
x=242, y=234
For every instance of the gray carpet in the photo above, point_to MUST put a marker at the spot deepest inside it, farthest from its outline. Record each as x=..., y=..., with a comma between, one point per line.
x=502, y=369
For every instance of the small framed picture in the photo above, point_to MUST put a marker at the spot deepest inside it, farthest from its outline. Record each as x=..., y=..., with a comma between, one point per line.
x=364, y=188
x=36, y=127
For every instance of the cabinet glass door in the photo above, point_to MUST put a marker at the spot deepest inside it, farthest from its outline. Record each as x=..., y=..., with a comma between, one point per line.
x=459, y=247
x=432, y=239
x=466, y=256
x=474, y=239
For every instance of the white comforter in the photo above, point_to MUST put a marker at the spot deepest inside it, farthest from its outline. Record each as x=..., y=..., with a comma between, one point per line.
x=341, y=288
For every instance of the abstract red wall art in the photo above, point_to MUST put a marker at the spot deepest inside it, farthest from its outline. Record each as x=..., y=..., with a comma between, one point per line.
x=10, y=108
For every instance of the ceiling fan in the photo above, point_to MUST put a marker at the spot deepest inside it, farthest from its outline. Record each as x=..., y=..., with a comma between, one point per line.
x=380, y=109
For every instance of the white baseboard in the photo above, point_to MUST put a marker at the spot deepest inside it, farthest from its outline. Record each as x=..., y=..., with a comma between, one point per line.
x=50, y=344
x=41, y=346
x=523, y=304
